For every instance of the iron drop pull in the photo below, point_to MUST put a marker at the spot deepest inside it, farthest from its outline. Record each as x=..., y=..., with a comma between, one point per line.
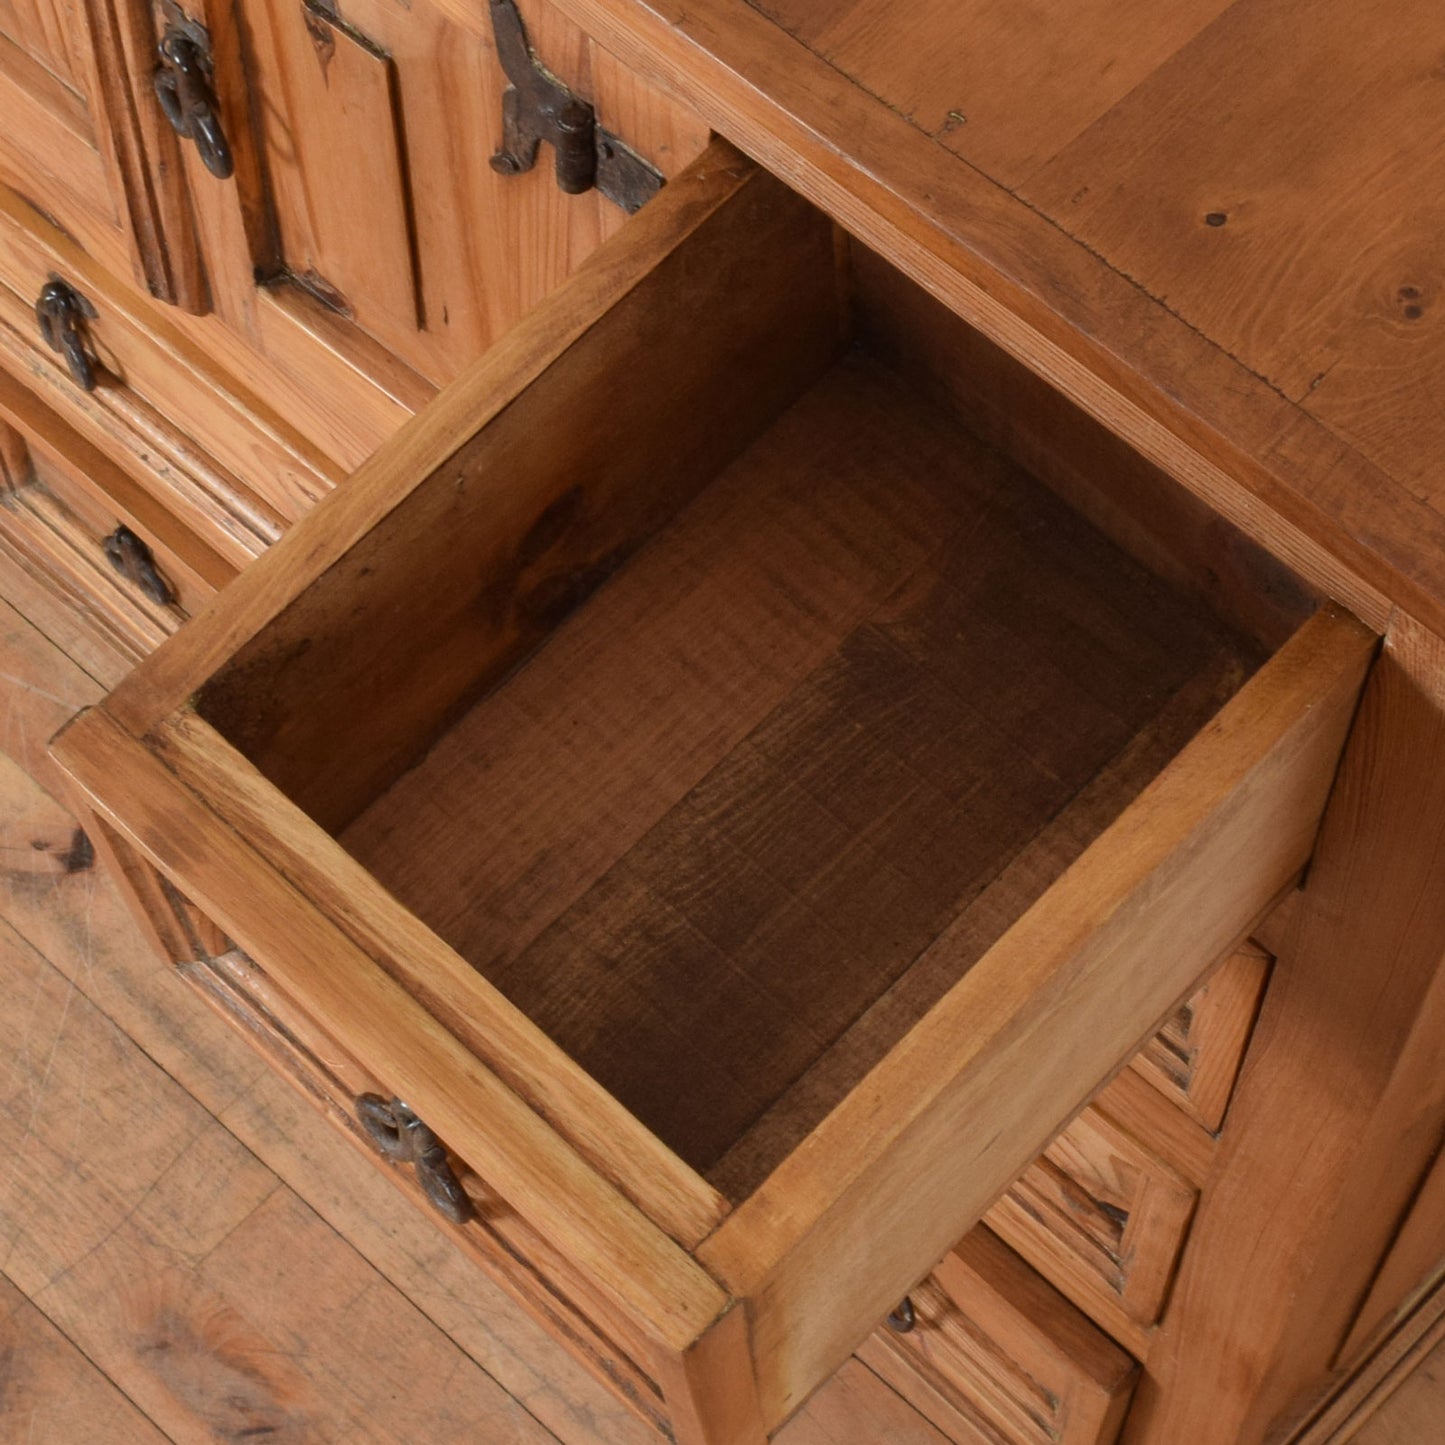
x=183, y=87
x=62, y=312
x=401, y=1136
x=904, y=1319
x=134, y=560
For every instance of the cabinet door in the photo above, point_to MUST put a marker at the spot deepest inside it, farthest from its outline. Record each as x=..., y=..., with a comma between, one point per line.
x=365, y=230
x=84, y=140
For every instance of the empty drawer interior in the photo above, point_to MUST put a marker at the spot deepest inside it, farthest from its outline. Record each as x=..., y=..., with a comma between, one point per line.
x=780, y=630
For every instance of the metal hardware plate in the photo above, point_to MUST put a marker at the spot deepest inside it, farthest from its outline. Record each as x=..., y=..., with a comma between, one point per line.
x=537, y=107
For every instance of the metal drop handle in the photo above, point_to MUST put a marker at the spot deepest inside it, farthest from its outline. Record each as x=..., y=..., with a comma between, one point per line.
x=61, y=312
x=400, y=1135
x=134, y=560
x=183, y=87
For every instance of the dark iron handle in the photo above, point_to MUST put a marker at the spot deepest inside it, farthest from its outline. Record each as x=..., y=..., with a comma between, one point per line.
x=904, y=1319
x=61, y=312
x=400, y=1135
x=134, y=560
x=183, y=87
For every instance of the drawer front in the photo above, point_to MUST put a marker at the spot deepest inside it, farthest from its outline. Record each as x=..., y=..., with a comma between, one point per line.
x=96, y=541
x=126, y=376
x=64, y=553
x=1195, y=1058
x=1103, y=1217
x=1104, y=1211
x=536, y=1274
x=990, y=1352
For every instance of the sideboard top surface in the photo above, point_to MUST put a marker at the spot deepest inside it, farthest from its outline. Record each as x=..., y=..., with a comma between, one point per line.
x=1221, y=217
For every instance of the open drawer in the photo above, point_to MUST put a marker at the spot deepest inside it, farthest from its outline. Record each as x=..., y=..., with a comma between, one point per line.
x=744, y=815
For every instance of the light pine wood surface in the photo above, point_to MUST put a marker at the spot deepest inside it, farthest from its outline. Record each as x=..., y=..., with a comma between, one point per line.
x=188, y=1252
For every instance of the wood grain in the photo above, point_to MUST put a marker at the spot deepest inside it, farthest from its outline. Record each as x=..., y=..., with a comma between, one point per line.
x=843, y=1226
x=996, y=1354
x=335, y=164
x=65, y=555
x=636, y=1267
x=541, y=492
x=1414, y=1410
x=458, y=997
x=77, y=919
x=1311, y=1185
x=1410, y=1268
x=1220, y=192
x=425, y=444
x=1195, y=1058
x=164, y=1251
x=1126, y=496
x=1180, y=400
x=272, y=471
x=146, y=501
x=1103, y=1218
x=603, y=837
x=49, y=1391
x=1004, y=87
x=1046, y=857
x=41, y=689
x=410, y=96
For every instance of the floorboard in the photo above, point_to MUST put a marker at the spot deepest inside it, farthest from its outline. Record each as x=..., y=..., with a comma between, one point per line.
x=50, y=1394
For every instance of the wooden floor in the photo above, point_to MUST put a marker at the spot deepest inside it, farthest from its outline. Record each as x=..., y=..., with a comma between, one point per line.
x=189, y=1254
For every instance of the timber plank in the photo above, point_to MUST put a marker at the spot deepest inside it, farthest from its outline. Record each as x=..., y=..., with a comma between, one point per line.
x=839, y=1229
x=1003, y=85
x=1415, y=1411
x=50, y=1394
x=40, y=690
x=168, y=1252
x=1185, y=403
x=1303, y=244
x=1336, y=1116
x=79, y=922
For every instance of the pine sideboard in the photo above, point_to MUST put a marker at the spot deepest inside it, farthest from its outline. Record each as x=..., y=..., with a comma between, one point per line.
x=789, y=656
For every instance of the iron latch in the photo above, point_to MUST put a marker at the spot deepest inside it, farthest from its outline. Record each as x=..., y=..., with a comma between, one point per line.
x=537, y=107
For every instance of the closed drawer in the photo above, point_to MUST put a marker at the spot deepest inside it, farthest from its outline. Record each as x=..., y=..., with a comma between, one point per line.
x=65, y=553
x=993, y=1355
x=148, y=395
x=96, y=544
x=1103, y=1217
x=1195, y=1058
x=486, y=1225
x=743, y=815
x=1104, y=1211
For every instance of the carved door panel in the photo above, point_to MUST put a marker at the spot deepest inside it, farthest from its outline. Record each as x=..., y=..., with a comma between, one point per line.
x=83, y=141
x=364, y=197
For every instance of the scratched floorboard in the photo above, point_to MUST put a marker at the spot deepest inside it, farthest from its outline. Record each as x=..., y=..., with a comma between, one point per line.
x=187, y=1252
